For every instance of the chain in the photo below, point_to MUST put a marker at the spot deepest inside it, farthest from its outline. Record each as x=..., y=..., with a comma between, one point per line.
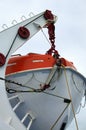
x=51, y=32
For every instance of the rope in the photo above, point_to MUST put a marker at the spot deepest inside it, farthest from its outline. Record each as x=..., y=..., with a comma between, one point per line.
x=56, y=95
x=21, y=91
x=75, y=84
x=45, y=36
x=16, y=83
x=59, y=117
x=70, y=97
x=11, y=45
x=32, y=89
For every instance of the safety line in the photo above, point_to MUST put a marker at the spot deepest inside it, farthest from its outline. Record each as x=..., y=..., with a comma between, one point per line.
x=70, y=97
x=32, y=89
x=59, y=117
x=55, y=95
x=45, y=36
x=11, y=45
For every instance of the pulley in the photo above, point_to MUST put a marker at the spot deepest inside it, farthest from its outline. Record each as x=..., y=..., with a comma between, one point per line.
x=23, y=32
x=2, y=59
x=48, y=15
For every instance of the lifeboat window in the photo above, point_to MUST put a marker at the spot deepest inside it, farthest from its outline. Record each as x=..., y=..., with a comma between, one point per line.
x=27, y=120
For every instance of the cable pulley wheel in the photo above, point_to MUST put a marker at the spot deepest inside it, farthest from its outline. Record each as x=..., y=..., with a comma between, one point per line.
x=23, y=32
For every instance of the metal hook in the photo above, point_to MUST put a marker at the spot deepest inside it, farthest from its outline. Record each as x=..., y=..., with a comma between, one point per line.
x=11, y=90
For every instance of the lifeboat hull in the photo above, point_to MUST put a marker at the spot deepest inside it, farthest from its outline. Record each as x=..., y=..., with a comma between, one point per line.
x=52, y=107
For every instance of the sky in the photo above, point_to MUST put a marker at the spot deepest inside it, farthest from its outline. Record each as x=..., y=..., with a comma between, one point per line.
x=70, y=32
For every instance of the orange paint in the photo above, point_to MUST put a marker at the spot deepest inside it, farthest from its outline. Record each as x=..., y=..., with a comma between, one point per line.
x=32, y=61
x=29, y=62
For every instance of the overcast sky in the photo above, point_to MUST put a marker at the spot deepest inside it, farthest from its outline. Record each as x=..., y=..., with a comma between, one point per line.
x=70, y=32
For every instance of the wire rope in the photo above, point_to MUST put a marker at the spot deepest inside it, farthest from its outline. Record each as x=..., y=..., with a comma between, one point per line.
x=72, y=105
